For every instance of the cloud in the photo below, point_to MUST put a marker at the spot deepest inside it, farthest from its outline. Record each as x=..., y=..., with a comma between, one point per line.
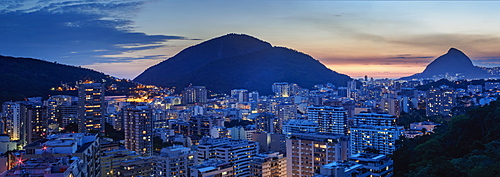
x=130, y=59
x=410, y=56
x=403, y=59
x=130, y=69
x=486, y=44
x=489, y=61
x=76, y=32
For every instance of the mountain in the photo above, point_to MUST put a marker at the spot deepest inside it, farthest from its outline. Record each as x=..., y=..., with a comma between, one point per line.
x=26, y=77
x=239, y=61
x=453, y=63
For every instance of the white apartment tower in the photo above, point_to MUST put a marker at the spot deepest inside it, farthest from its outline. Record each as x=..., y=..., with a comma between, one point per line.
x=329, y=119
x=375, y=131
x=238, y=153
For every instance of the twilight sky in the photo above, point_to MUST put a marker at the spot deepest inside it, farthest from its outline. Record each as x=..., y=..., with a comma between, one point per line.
x=388, y=39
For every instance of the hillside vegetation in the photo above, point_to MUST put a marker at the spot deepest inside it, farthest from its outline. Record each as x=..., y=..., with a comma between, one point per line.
x=467, y=145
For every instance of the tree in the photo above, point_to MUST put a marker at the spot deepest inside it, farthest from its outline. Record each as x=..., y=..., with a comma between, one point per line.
x=71, y=128
x=465, y=145
x=112, y=133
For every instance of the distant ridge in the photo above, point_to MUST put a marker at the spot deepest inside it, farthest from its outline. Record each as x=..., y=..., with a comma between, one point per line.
x=452, y=64
x=237, y=61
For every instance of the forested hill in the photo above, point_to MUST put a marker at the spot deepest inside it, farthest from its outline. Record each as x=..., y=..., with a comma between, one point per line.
x=26, y=77
x=468, y=145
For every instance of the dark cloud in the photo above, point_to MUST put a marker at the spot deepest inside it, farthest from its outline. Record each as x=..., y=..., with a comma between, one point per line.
x=403, y=59
x=410, y=57
x=74, y=32
x=490, y=61
x=129, y=59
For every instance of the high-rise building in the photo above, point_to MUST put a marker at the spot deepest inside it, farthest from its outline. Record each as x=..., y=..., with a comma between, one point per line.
x=268, y=165
x=36, y=122
x=306, y=153
x=351, y=89
x=267, y=122
x=67, y=114
x=440, y=101
x=11, y=111
x=202, y=124
x=274, y=142
x=52, y=105
x=237, y=152
x=138, y=129
x=391, y=105
x=25, y=121
x=241, y=133
x=253, y=96
x=281, y=89
x=299, y=126
x=206, y=147
x=328, y=119
x=294, y=89
x=196, y=110
x=91, y=107
x=110, y=160
x=285, y=111
x=139, y=166
x=343, y=92
x=241, y=95
x=374, y=131
x=407, y=104
x=239, y=155
x=174, y=161
x=194, y=94
x=212, y=168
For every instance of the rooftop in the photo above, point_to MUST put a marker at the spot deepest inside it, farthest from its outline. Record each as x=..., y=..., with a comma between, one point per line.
x=84, y=147
x=54, y=143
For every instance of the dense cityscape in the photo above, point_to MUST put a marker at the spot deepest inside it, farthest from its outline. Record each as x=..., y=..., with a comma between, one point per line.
x=162, y=88
x=325, y=131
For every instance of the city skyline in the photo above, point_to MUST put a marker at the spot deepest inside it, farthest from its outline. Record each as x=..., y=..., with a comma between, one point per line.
x=378, y=39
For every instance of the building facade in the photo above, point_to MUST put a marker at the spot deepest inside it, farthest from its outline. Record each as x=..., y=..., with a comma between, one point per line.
x=329, y=119
x=374, y=131
x=91, y=108
x=307, y=152
x=175, y=161
x=138, y=129
x=440, y=101
x=268, y=165
x=194, y=94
